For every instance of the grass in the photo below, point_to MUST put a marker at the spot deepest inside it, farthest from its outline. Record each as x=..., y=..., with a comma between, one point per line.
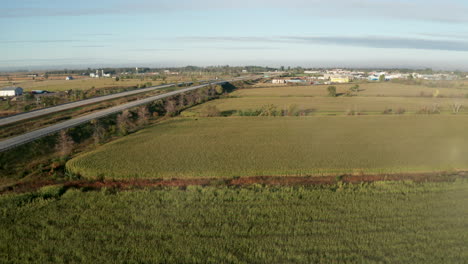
x=282, y=146
x=384, y=222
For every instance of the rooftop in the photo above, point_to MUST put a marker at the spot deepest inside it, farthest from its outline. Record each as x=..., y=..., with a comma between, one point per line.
x=9, y=88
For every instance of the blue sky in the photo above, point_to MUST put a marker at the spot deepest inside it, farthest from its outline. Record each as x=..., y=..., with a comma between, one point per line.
x=309, y=33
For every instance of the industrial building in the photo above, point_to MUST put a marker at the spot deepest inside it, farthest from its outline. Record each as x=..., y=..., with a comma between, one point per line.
x=11, y=91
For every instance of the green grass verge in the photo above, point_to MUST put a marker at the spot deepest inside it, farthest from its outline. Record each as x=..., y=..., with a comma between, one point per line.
x=393, y=222
x=270, y=146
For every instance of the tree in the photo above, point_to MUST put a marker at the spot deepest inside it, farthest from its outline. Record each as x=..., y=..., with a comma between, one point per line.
x=219, y=89
x=190, y=99
x=211, y=111
x=99, y=132
x=382, y=78
x=456, y=107
x=46, y=75
x=143, y=115
x=355, y=88
x=171, y=107
x=182, y=101
x=64, y=144
x=331, y=91
x=123, y=122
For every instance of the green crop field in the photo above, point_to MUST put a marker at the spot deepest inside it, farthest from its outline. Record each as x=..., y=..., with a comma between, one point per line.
x=384, y=222
x=252, y=146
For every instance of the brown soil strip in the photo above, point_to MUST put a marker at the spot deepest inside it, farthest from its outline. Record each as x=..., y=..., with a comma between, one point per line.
x=128, y=184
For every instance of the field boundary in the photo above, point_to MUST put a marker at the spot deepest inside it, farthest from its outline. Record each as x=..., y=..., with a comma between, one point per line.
x=130, y=184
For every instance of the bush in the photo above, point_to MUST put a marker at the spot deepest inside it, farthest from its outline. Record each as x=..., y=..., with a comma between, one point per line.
x=331, y=91
x=387, y=111
x=269, y=110
x=292, y=110
x=353, y=112
x=249, y=112
x=400, y=111
x=429, y=110
x=211, y=111
x=52, y=191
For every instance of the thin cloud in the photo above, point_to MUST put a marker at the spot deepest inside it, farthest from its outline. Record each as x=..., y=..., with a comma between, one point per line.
x=155, y=49
x=244, y=48
x=99, y=34
x=388, y=42
x=40, y=41
x=90, y=46
x=372, y=41
x=445, y=35
x=449, y=11
x=229, y=39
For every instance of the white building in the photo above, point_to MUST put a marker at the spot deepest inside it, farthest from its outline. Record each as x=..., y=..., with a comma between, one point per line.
x=11, y=91
x=278, y=81
x=99, y=74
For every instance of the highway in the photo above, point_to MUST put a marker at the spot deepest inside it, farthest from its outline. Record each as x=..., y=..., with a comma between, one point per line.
x=62, y=107
x=31, y=136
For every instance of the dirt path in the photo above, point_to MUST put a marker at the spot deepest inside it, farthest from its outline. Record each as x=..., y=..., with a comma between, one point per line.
x=242, y=181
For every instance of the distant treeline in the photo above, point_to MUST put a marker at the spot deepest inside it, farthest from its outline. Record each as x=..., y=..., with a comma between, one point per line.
x=226, y=69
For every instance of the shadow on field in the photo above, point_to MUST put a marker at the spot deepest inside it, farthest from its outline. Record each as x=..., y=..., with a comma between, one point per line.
x=228, y=112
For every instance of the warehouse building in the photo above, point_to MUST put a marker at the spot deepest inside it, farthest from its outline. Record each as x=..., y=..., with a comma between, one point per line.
x=11, y=91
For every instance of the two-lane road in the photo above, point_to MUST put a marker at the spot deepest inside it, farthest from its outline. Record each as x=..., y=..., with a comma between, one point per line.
x=28, y=137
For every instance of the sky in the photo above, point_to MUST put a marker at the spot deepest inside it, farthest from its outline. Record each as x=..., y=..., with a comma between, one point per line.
x=166, y=33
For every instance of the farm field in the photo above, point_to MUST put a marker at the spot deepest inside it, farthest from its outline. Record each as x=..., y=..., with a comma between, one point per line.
x=330, y=105
x=366, y=89
x=88, y=83
x=283, y=146
x=383, y=222
x=78, y=84
x=373, y=98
